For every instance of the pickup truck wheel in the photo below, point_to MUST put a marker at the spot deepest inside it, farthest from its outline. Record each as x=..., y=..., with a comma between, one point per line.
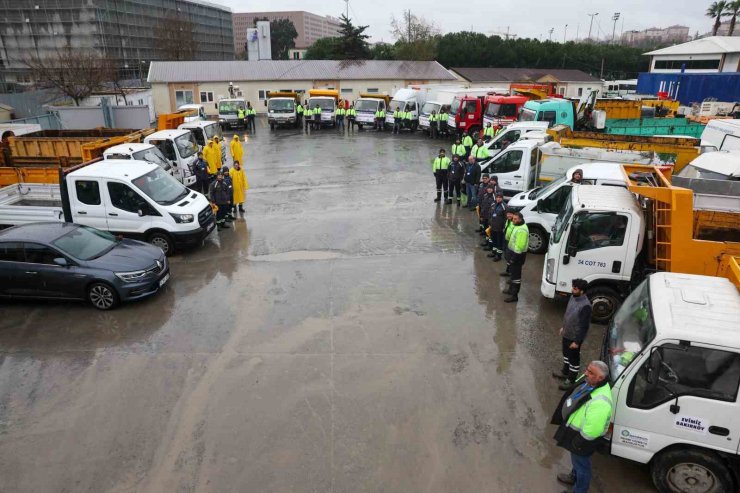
x=102, y=296
x=537, y=240
x=690, y=471
x=163, y=241
x=604, y=303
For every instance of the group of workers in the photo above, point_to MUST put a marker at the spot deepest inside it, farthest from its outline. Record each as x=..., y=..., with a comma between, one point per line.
x=246, y=117
x=225, y=187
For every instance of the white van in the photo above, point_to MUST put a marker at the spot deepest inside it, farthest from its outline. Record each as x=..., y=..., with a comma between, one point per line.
x=203, y=131
x=141, y=152
x=541, y=205
x=512, y=133
x=722, y=135
x=136, y=199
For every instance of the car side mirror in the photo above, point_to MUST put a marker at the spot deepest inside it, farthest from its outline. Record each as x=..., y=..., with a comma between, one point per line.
x=61, y=262
x=141, y=213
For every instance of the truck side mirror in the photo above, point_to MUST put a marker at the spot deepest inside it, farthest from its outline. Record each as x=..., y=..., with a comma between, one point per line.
x=141, y=213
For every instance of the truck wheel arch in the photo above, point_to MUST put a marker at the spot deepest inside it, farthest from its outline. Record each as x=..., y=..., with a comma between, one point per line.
x=537, y=229
x=678, y=460
x=605, y=300
x=162, y=239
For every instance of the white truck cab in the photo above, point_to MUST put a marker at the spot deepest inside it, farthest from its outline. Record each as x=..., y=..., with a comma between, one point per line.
x=228, y=111
x=673, y=349
x=179, y=147
x=141, y=152
x=406, y=100
x=595, y=237
x=199, y=112
x=328, y=106
x=366, y=106
x=282, y=109
x=203, y=131
x=512, y=133
x=541, y=205
x=719, y=165
x=721, y=135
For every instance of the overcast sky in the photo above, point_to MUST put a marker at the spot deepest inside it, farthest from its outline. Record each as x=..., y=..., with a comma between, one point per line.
x=494, y=16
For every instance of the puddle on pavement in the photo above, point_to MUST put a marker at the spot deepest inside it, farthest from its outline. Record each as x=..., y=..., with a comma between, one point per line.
x=296, y=255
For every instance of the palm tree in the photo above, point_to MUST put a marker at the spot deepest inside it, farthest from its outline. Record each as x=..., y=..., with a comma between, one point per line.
x=733, y=10
x=717, y=10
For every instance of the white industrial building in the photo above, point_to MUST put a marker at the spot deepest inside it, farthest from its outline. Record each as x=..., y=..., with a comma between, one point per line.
x=706, y=55
x=177, y=83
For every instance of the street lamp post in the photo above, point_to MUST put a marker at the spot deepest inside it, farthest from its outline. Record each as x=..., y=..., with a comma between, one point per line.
x=615, y=18
x=551, y=30
x=565, y=33
x=592, y=24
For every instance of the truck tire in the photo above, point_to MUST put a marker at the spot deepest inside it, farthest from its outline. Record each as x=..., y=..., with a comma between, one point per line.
x=690, y=471
x=163, y=241
x=538, y=239
x=102, y=296
x=604, y=303
x=272, y=126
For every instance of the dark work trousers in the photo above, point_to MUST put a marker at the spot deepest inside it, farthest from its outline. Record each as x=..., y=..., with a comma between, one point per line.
x=517, y=262
x=571, y=360
x=250, y=124
x=497, y=237
x=433, y=130
x=441, y=177
x=222, y=212
x=340, y=123
x=396, y=125
x=201, y=185
x=455, y=188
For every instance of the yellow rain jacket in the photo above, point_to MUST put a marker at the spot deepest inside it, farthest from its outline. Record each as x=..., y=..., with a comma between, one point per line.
x=237, y=152
x=212, y=155
x=239, y=183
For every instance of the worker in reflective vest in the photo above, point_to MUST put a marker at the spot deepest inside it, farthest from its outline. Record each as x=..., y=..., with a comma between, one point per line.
x=488, y=133
x=241, y=114
x=480, y=152
x=340, y=113
x=299, y=114
x=251, y=113
x=439, y=167
x=467, y=141
x=433, y=124
x=397, y=117
x=517, y=246
x=407, y=119
x=351, y=116
x=458, y=149
x=442, y=119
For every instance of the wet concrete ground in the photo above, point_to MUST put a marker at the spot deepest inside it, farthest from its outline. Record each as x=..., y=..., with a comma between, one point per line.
x=347, y=336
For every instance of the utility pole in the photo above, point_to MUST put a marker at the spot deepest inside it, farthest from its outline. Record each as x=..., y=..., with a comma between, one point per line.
x=565, y=33
x=346, y=9
x=592, y=24
x=551, y=30
x=615, y=18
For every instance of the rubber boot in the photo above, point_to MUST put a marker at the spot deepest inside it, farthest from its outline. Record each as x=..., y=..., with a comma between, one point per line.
x=439, y=196
x=513, y=293
x=449, y=201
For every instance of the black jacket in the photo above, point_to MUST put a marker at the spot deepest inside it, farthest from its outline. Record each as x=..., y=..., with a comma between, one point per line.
x=498, y=217
x=220, y=192
x=472, y=173
x=486, y=202
x=455, y=172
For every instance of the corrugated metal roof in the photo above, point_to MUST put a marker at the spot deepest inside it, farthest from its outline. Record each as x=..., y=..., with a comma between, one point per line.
x=703, y=46
x=522, y=74
x=219, y=71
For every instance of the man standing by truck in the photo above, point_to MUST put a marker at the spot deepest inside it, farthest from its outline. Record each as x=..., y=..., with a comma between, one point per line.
x=467, y=141
x=455, y=174
x=518, y=245
x=340, y=116
x=251, y=113
x=397, y=117
x=220, y=194
x=497, y=224
x=439, y=168
x=575, y=327
x=583, y=417
x=433, y=124
x=480, y=152
x=458, y=149
x=472, y=177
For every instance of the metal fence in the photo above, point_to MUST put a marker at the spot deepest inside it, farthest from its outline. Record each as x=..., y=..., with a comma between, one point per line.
x=85, y=117
x=49, y=121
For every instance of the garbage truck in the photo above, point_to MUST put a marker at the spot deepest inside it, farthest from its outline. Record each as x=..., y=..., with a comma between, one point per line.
x=282, y=109
x=327, y=100
x=366, y=106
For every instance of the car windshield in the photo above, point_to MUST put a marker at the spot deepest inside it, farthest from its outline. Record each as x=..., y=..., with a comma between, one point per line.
x=186, y=145
x=160, y=187
x=692, y=171
x=85, y=243
x=631, y=329
x=281, y=105
x=213, y=130
x=395, y=105
x=229, y=107
x=324, y=103
x=366, y=105
x=561, y=222
x=454, y=107
x=152, y=155
x=428, y=108
x=527, y=115
x=542, y=191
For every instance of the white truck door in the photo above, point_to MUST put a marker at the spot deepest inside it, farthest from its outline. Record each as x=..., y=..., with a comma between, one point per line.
x=680, y=394
x=596, y=249
x=511, y=167
x=549, y=207
x=86, y=201
x=124, y=204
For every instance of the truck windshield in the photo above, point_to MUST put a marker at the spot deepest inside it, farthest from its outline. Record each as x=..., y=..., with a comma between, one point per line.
x=85, y=243
x=428, y=108
x=454, y=107
x=160, y=187
x=561, y=222
x=281, y=105
x=186, y=145
x=527, y=115
x=324, y=103
x=395, y=105
x=229, y=107
x=505, y=110
x=631, y=329
x=213, y=130
x=366, y=105
x=152, y=155
x=542, y=191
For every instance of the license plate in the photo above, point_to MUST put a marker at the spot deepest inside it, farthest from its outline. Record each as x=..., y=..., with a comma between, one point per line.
x=164, y=280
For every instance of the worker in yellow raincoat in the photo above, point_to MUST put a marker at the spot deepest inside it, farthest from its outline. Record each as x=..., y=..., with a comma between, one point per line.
x=239, y=184
x=237, y=152
x=219, y=151
x=212, y=153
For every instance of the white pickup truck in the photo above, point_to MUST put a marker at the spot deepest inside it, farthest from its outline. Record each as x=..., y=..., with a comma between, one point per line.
x=180, y=148
x=136, y=199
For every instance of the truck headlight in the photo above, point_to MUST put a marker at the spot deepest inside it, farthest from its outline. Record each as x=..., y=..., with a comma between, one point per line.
x=182, y=218
x=550, y=270
x=133, y=276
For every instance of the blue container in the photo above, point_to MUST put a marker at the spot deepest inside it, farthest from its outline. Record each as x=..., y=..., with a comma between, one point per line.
x=692, y=88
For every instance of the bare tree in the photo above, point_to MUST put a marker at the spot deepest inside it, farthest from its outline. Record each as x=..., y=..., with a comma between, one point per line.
x=412, y=28
x=177, y=41
x=74, y=73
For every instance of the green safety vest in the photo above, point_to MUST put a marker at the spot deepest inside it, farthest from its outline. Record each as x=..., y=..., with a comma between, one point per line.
x=299, y=109
x=458, y=149
x=377, y=114
x=519, y=239
x=441, y=164
x=488, y=132
x=317, y=111
x=407, y=115
x=508, y=229
x=592, y=419
x=352, y=112
x=397, y=114
x=467, y=141
x=443, y=117
x=433, y=117
x=341, y=112
x=480, y=152
x=240, y=113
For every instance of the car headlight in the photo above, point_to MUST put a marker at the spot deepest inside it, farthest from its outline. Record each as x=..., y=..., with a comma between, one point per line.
x=133, y=276
x=182, y=218
x=550, y=270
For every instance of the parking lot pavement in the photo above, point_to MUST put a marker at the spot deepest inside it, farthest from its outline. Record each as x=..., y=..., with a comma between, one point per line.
x=347, y=335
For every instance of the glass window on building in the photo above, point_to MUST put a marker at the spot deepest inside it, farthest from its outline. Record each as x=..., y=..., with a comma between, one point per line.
x=373, y=90
x=206, y=97
x=183, y=97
